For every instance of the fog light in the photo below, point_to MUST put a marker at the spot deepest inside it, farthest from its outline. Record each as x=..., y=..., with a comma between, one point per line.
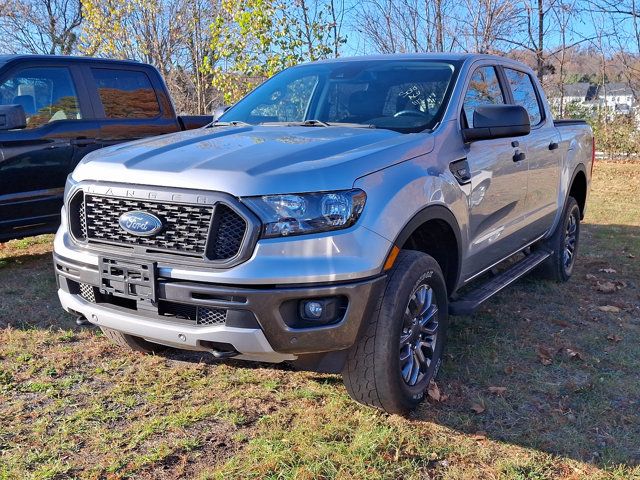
x=313, y=309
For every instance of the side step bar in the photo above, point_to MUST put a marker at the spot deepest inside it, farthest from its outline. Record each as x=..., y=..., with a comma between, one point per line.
x=469, y=303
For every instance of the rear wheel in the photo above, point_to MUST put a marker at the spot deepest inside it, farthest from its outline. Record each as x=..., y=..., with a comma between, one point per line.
x=400, y=349
x=136, y=344
x=564, y=244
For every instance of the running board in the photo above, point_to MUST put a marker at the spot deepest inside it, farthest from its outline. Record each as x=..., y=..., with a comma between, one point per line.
x=469, y=303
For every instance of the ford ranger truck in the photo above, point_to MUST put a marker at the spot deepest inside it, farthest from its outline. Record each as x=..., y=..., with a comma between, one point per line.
x=330, y=218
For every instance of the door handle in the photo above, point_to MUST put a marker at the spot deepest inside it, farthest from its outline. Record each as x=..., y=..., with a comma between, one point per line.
x=553, y=146
x=83, y=142
x=519, y=156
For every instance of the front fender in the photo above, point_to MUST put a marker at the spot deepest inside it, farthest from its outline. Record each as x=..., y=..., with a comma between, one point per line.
x=402, y=197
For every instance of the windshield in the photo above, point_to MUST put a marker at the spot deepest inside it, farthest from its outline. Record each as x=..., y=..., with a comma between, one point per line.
x=406, y=96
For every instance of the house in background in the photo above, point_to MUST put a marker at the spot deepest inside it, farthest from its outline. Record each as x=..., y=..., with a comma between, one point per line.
x=613, y=98
x=616, y=97
x=577, y=92
x=573, y=94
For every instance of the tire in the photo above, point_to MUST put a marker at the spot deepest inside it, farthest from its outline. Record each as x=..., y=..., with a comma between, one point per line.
x=374, y=373
x=135, y=344
x=564, y=245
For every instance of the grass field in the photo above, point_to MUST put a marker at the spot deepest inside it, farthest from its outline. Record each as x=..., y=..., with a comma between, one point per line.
x=544, y=382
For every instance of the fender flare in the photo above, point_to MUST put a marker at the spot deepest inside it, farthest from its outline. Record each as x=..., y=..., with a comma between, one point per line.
x=434, y=212
x=579, y=168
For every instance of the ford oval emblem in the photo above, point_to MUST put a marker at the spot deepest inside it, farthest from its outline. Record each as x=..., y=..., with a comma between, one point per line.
x=142, y=224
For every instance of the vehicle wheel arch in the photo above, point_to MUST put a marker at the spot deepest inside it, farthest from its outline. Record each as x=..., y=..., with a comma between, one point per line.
x=578, y=188
x=416, y=235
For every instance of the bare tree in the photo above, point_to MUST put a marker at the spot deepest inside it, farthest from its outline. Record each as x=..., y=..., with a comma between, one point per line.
x=563, y=13
x=484, y=22
x=407, y=25
x=534, y=24
x=196, y=40
x=623, y=19
x=40, y=26
x=337, y=12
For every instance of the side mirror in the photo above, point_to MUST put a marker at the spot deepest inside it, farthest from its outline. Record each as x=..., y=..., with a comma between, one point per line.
x=217, y=112
x=497, y=121
x=12, y=117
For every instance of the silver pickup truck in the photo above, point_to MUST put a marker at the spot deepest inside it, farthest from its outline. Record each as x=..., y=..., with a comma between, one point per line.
x=330, y=218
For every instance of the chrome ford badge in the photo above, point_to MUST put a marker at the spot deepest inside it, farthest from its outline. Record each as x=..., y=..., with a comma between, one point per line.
x=142, y=224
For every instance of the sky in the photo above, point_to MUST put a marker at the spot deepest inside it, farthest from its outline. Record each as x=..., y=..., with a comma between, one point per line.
x=585, y=26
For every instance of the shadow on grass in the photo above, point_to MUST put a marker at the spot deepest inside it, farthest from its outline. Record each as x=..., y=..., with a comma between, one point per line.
x=571, y=371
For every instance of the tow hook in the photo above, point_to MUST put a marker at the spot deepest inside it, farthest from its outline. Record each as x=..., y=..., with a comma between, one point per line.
x=220, y=354
x=82, y=321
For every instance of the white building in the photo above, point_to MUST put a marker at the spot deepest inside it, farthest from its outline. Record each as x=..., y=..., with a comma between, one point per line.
x=616, y=97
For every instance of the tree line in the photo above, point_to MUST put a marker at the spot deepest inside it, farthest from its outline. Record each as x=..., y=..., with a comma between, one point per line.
x=211, y=52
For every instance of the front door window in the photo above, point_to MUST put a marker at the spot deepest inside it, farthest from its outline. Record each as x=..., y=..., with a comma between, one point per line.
x=46, y=94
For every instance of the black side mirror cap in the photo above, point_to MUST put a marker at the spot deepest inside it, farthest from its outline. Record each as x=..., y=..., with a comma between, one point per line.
x=12, y=117
x=497, y=121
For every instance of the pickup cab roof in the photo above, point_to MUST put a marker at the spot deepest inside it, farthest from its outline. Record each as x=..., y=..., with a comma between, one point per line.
x=453, y=57
x=5, y=59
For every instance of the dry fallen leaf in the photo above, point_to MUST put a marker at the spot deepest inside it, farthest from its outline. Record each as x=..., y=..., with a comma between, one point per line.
x=606, y=287
x=574, y=354
x=561, y=323
x=478, y=407
x=544, y=355
x=498, y=390
x=614, y=338
x=609, y=308
x=434, y=392
x=590, y=276
x=508, y=370
x=607, y=270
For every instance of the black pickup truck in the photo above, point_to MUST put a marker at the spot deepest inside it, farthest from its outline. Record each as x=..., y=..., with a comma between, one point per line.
x=55, y=110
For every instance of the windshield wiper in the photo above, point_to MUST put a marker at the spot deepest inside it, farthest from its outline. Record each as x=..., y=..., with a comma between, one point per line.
x=352, y=125
x=305, y=123
x=316, y=123
x=233, y=123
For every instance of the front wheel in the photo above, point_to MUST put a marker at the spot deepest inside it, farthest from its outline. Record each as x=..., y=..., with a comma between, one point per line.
x=400, y=349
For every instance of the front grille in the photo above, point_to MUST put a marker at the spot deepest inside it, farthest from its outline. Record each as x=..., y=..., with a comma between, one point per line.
x=198, y=314
x=82, y=220
x=211, y=316
x=199, y=231
x=229, y=233
x=87, y=292
x=185, y=226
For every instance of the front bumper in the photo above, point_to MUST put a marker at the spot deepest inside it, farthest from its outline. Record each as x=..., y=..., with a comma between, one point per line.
x=259, y=317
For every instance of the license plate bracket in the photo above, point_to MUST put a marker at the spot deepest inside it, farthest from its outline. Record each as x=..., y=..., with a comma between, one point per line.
x=128, y=279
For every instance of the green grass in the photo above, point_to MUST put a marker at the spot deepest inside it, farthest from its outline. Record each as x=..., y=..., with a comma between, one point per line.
x=74, y=406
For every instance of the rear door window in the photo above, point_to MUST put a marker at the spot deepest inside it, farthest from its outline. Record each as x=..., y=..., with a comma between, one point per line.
x=484, y=89
x=46, y=94
x=126, y=93
x=524, y=93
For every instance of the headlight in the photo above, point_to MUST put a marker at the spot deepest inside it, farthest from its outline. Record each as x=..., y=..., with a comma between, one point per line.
x=298, y=214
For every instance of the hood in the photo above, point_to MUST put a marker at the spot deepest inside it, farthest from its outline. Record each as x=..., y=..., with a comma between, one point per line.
x=254, y=160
